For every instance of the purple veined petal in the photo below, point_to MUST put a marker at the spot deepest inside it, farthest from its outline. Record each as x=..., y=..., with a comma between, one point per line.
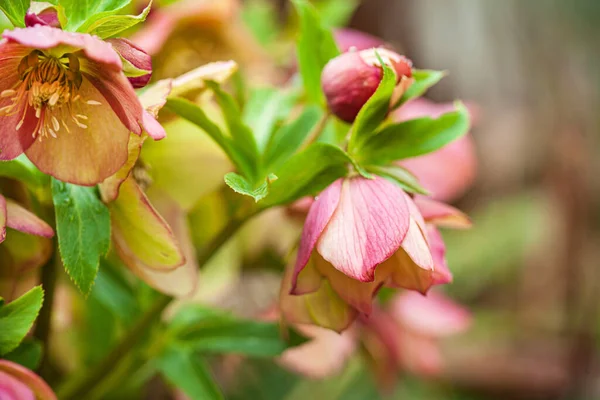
x=369, y=225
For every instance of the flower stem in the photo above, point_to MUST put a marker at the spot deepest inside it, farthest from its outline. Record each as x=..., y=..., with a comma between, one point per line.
x=80, y=386
x=317, y=131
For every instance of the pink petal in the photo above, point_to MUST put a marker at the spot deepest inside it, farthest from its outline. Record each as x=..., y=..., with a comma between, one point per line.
x=347, y=38
x=421, y=355
x=46, y=38
x=3, y=217
x=152, y=127
x=13, y=142
x=441, y=273
x=118, y=92
x=13, y=389
x=318, y=217
x=137, y=57
x=25, y=221
x=40, y=388
x=309, y=279
x=367, y=227
x=433, y=315
x=97, y=151
x=416, y=242
x=441, y=214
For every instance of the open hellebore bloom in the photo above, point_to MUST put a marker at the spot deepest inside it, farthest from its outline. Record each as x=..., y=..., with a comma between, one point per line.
x=359, y=235
x=350, y=79
x=66, y=102
x=19, y=383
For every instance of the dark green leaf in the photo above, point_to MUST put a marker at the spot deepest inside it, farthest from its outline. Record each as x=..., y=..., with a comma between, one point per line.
x=188, y=372
x=23, y=170
x=17, y=317
x=307, y=173
x=375, y=110
x=106, y=24
x=414, y=138
x=239, y=184
x=196, y=115
x=78, y=12
x=99, y=331
x=15, y=11
x=401, y=176
x=83, y=230
x=114, y=293
x=219, y=332
x=265, y=109
x=28, y=354
x=424, y=79
x=316, y=46
x=288, y=139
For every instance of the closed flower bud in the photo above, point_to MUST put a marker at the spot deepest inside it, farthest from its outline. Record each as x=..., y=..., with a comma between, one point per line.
x=350, y=79
x=137, y=64
x=42, y=14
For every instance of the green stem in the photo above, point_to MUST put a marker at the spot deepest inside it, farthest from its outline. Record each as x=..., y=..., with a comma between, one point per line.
x=48, y=277
x=80, y=386
x=316, y=132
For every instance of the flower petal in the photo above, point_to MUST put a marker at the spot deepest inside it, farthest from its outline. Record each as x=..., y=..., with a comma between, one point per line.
x=416, y=242
x=84, y=156
x=182, y=281
x=25, y=221
x=323, y=307
x=13, y=142
x=136, y=57
x=367, y=227
x=3, y=218
x=109, y=188
x=441, y=273
x=441, y=214
x=318, y=217
x=12, y=388
x=40, y=388
x=46, y=38
x=140, y=234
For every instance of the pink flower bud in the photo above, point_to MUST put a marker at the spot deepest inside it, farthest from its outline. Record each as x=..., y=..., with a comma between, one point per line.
x=42, y=14
x=350, y=79
x=135, y=56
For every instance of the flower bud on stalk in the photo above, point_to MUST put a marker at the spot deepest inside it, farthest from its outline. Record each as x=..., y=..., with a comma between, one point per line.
x=135, y=60
x=350, y=79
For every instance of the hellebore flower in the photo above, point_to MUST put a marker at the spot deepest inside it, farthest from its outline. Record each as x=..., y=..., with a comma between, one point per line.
x=66, y=103
x=350, y=79
x=448, y=172
x=359, y=235
x=19, y=383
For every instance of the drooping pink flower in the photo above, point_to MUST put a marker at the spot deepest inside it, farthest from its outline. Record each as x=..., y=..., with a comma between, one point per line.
x=19, y=383
x=359, y=235
x=447, y=173
x=66, y=103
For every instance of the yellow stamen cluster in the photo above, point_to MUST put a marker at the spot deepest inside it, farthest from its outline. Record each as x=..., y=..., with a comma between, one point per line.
x=49, y=85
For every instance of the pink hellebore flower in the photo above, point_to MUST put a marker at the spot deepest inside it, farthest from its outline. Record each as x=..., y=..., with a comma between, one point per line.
x=447, y=173
x=66, y=103
x=19, y=383
x=359, y=235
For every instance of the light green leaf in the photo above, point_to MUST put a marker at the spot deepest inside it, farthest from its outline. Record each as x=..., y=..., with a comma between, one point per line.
x=239, y=184
x=23, y=170
x=28, y=354
x=414, y=138
x=316, y=46
x=83, y=230
x=307, y=173
x=17, y=317
x=375, y=110
x=196, y=115
x=76, y=13
x=260, y=18
x=106, y=24
x=15, y=11
x=401, y=176
x=211, y=331
x=424, y=79
x=290, y=137
x=337, y=13
x=188, y=372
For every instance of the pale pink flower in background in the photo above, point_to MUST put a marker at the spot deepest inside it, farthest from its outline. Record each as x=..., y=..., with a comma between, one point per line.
x=20, y=383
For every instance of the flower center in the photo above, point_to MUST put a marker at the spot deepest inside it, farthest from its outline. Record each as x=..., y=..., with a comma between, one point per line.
x=49, y=85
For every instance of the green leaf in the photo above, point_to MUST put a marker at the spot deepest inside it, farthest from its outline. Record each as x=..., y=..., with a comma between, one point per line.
x=28, y=354
x=264, y=110
x=106, y=24
x=15, y=11
x=337, y=13
x=188, y=372
x=401, y=176
x=78, y=12
x=23, y=170
x=115, y=293
x=288, y=139
x=414, y=138
x=316, y=46
x=17, y=317
x=375, y=110
x=83, y=230
x=424, y=79
x=212, y=331
x=239, y=184
x=259, y=17
x=307, y=173
x=191, y=112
